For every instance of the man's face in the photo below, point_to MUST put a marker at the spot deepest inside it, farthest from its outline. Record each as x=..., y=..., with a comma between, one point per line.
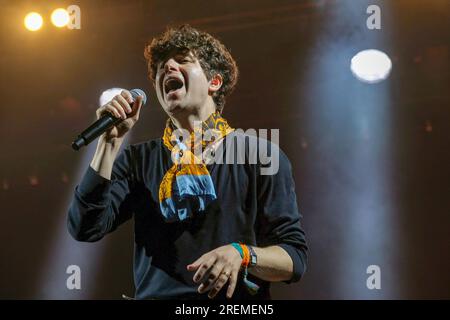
x=181, y=84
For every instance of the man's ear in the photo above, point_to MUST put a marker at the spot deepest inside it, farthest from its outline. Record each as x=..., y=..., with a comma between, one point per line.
x=215, y=83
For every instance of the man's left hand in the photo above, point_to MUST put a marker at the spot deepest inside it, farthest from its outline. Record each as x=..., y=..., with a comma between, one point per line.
x=215, y=269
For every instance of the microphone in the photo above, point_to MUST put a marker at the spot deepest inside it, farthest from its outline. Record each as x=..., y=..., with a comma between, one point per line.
x=103, y=124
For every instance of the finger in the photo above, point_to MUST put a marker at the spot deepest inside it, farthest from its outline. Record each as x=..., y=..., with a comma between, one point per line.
x=211, y=278
x=203, y=269
x=108, y=108
x=124, y=103
x=221, y=281
x=232, y=285
x=194, y=265
x=127, y=95
x=119, y=108
x=136, y=108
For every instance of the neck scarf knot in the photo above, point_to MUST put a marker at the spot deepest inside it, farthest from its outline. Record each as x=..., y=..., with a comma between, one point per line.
x=187, y=187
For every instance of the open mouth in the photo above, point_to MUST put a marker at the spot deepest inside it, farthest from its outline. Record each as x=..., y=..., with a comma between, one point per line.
x=172, y=84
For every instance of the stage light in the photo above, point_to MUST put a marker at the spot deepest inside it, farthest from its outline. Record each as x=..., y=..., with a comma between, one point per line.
x=107, y=95
x=65, y=251
x=33, y=21
x=60, y=17
x=371, y=66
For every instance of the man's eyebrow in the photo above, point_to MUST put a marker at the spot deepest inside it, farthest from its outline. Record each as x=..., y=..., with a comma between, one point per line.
x=177, y=55
x=183, y=54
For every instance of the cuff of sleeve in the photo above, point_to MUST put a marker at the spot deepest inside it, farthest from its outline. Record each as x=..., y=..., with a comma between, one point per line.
x=93, y=188
x=298, y=260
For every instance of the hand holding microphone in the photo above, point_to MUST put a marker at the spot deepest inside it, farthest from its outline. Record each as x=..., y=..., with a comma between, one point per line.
x=115, y=118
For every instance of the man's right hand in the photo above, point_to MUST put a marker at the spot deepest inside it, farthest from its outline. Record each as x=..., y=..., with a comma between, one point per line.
x=120, y=107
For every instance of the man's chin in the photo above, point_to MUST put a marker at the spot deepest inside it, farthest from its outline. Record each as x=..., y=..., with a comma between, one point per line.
x=174, y=108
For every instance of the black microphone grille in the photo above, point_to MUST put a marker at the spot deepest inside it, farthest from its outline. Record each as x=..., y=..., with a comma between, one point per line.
x=138, y=92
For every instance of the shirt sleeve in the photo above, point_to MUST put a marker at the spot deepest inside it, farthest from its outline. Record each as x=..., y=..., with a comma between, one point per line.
x=279, y=217
x=100, y=205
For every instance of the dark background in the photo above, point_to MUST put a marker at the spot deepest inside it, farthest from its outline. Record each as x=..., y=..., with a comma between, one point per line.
x=371, y=162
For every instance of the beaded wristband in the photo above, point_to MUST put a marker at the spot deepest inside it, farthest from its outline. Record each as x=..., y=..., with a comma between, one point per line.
x=245, y=255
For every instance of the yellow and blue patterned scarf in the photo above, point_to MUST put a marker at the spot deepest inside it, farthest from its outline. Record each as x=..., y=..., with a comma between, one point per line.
x=187, y=186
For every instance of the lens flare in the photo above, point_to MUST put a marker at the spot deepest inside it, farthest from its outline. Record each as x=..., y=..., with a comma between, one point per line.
x=33, y=21
x=371, y=66
x=60, y=17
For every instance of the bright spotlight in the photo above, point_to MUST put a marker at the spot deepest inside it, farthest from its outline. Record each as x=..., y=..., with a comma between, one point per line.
x=371, y=66
x=33, y=21
x=60, y=17
x=107, y=95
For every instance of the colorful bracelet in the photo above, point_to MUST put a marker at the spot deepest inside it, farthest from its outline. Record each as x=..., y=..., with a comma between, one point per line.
x=244, y=251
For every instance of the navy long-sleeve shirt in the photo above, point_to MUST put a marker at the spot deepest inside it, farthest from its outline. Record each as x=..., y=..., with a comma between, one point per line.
x=256, y=209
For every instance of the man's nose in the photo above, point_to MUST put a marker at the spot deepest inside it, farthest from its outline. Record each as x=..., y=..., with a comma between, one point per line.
x=171, y=65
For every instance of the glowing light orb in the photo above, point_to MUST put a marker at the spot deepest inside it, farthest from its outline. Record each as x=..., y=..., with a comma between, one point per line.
x=33, y=21
x=371, y=66
x=107, y=95
x=60, y=17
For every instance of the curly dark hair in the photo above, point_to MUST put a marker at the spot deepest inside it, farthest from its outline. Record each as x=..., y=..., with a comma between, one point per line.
x=213, y=56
